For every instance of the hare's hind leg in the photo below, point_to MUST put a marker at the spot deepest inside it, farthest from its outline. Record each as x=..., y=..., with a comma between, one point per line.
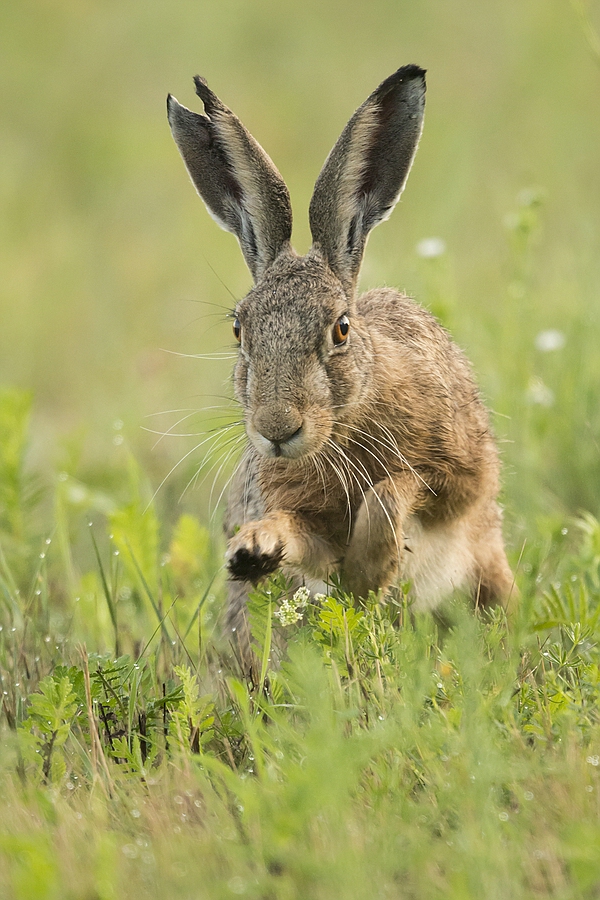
x=494, y=582
x=465, y=554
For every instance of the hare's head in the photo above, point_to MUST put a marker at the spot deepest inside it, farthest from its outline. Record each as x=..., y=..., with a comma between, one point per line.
x=305, y=356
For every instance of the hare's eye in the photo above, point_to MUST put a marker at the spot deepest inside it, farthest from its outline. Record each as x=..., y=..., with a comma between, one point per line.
x=237, y=330
x=340, y=330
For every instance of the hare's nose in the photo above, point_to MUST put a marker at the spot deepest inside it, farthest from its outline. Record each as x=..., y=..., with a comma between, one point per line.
x=278, y=424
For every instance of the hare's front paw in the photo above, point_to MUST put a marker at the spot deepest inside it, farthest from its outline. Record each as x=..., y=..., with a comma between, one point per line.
x=254, y=552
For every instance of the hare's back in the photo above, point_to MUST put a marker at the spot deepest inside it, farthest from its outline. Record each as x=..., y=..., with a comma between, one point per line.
x=397, y=316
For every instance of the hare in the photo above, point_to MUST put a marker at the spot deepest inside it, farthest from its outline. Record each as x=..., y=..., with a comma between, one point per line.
x=369, y=450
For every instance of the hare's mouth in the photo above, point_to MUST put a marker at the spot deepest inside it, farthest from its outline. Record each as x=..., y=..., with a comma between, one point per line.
x=288, y=446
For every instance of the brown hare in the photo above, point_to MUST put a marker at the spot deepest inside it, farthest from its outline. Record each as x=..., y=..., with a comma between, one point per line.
x=369, y=449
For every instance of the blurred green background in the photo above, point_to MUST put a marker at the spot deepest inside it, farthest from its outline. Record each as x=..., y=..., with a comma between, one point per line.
x=110, y=266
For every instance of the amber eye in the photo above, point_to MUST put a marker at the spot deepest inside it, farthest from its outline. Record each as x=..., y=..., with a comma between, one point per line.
x=340, y=330
x=237, y=330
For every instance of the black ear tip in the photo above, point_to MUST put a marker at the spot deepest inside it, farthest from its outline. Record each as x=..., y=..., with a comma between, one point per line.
x=411, y=71
x=405, y=78
x=408, y=73
x=203, y=91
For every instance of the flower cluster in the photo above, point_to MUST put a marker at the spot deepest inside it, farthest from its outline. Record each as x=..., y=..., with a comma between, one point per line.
x=290, y=611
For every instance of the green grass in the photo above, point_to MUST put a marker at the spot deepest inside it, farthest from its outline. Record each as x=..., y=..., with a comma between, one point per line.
x=372, y=754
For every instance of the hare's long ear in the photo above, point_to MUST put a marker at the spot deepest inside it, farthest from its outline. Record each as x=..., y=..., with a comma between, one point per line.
x=239, y=184
x=366, y=171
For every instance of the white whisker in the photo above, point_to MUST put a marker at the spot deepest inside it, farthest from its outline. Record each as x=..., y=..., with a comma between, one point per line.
x=207, y=458
x=214, y=357
x=177, y=464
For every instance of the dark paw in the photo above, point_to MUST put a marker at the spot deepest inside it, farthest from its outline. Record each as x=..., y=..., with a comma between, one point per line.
x=252, y=565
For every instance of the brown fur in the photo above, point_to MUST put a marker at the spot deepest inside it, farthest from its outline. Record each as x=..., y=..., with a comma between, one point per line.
x=373, y=458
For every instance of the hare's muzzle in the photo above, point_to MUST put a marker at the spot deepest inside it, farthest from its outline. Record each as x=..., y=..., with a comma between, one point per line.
x=277, y=431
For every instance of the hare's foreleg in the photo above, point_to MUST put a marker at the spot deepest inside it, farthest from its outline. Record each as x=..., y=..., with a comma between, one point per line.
x=374, y=554
x=278, y=539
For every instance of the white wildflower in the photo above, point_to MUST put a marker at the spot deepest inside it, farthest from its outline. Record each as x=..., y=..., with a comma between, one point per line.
x=287, y=614
x=549, y=340
x=301, y=597
x=431, y=247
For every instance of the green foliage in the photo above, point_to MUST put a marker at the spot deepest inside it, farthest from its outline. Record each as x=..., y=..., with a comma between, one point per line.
x=135, y=533
x=15, y=409
x=188, y=550
x=52, y=709
x=192, y=720
x=378, y=748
